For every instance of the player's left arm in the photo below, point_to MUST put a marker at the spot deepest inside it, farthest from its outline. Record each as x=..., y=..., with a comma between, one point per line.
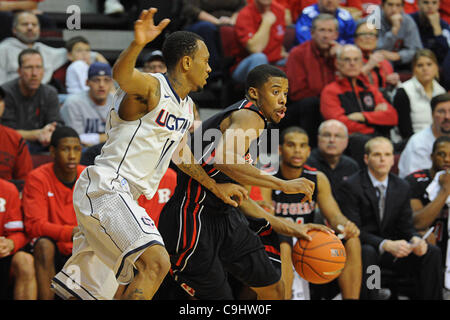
x=330, y=209
x=185, y=161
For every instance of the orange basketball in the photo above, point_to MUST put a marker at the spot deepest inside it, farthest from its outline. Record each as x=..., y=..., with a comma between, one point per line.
x=320, y=260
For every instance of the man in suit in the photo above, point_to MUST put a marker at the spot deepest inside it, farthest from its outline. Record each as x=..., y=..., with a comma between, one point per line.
x=379, y=204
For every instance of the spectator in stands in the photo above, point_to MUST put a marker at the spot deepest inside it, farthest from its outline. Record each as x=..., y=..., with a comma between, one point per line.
x=345, y=19
x=310, y=67
x=416, y=154
x=47, y=205
x=165, y=190
x=204, y=18
x=379, y=204
x=9, y=7
x=412, y=100
x=15, y=159
x=378, y=69
x=155, y=63
x=79, y=55
x=86, y=111
x=434, y=31
x=31, y=107
x=260, y=28
x=329, y=155
x=430, y=190
x=294, y=151
x=14, y=261
x=398, y=37
x=26, y=30
x=352, y=100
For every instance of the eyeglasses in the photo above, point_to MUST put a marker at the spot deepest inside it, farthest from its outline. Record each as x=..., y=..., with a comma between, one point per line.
x=367, y=35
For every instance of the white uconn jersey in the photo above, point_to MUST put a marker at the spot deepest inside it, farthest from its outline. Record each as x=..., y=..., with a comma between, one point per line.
x=140, y=151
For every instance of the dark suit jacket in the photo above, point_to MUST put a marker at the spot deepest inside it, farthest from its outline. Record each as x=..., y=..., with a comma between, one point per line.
x=358, y=200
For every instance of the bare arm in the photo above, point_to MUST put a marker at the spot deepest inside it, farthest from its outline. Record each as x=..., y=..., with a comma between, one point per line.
x=245, y=127
x=142, y=89
x=261, y=38
x=185, y=161
x=330, y=209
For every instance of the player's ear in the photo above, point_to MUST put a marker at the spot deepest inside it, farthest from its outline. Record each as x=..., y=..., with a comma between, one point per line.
x=186, y=62
x=253, y=93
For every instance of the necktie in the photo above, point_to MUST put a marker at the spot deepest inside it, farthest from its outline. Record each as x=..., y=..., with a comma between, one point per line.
x=381, y=200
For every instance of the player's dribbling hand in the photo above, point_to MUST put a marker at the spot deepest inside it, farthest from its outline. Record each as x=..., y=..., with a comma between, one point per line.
x=300, y=185
x=303, y=228
x=145, y=29
x=230, y=193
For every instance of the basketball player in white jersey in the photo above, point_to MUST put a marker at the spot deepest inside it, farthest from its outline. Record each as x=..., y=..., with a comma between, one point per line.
x=150, y=115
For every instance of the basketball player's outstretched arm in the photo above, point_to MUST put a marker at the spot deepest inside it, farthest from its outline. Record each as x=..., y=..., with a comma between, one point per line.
x=330, y=209
x=142, y=89
x=230, y=156
x=229, y=193
x=283, y=226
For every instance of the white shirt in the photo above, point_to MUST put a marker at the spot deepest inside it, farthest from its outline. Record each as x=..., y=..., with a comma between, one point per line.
x=417, y=152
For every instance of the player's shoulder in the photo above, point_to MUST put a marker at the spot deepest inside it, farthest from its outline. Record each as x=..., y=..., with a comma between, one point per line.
x=310, y=169
x=7, y=186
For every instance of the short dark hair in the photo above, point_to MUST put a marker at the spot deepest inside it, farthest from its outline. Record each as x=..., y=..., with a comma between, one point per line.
x=74, y=40
x=290, y=130
x=179, y=44
x=27, y=51
x=444, y=97
x=440, y=140
x=384, y=1
x=62, y=132
x=260, y=74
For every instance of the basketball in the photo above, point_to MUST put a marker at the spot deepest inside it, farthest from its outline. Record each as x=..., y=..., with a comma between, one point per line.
x=320, y=260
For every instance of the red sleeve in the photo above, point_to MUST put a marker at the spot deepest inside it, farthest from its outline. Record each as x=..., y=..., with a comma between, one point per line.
x=330, y=108
x=387, y=118
x=297, y=76
x=35, y=207
x=13, y=221
x=23, y=164
x=244, y=28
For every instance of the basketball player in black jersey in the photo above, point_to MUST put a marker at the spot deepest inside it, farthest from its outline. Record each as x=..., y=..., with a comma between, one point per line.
x=207, y=238
x=294, y=151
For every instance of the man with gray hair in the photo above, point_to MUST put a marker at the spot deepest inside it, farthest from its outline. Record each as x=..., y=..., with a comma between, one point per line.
x=26, y=30
x=329, y=155
x=352, y=100
x=310, y=67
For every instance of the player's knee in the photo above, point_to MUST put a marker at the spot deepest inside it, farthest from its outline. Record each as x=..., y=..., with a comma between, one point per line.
x=22, y=265
x=44, y=250
x=154, y=261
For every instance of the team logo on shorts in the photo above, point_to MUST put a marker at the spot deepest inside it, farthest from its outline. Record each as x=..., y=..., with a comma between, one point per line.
x=188, y=289
x=147, y=221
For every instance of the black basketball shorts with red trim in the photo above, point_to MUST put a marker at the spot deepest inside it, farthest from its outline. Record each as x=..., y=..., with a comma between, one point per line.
x=206, y=240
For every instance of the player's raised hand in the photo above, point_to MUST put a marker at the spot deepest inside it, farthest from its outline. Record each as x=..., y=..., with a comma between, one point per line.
x=300, y=185
x=230, y=193
x=145, y=29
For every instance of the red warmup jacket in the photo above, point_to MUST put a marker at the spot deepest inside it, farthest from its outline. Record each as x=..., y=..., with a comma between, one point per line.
x=165, y=190
x=15, y=159
x=48, y=207
x=340, y=98
x=11, y=218
x=308, y=72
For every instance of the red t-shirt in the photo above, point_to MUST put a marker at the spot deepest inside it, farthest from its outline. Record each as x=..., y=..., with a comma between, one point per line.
x=48, y=207
x=165, y=190
x=15, y=159
x=247, y=24
x=444, y=10
x=11, y=219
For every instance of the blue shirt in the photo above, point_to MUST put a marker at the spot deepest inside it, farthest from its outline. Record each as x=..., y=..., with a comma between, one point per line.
x=303, y=25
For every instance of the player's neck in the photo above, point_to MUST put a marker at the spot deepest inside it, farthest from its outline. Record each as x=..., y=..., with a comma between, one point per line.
x=289, y=172
x=179, y=85
x=64, y=177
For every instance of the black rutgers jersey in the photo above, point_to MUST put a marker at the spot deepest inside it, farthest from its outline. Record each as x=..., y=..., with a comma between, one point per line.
x=419, y=181
x=291, y=205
